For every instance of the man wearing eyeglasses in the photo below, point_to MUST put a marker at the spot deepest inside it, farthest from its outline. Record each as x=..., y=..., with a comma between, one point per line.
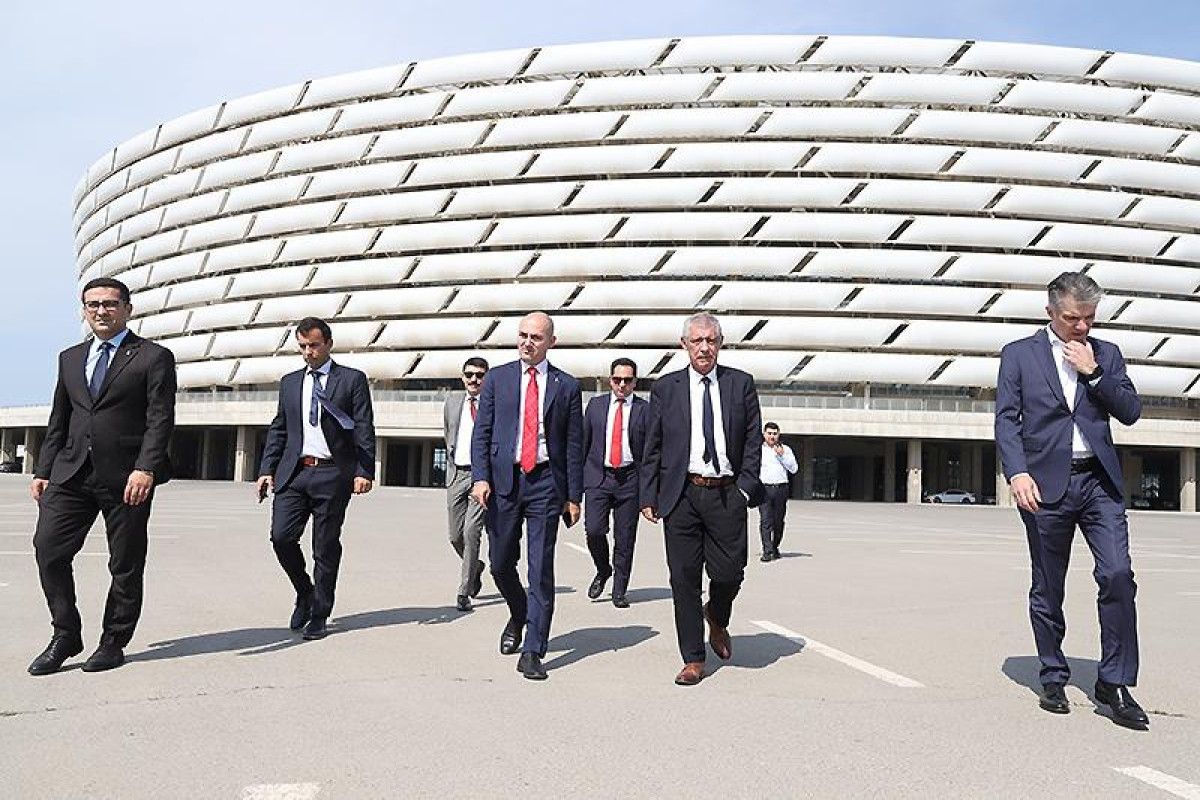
x=105, y=451
x=466, y=516
x=614, y=430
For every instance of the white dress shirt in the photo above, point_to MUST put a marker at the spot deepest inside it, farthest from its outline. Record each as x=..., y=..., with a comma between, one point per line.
x=1068, y=376
x=314, y=438
x=626, y=453
x=543, y=455
x=775, y=467
x=696, y=453
x=93, y=358
x=466, y=426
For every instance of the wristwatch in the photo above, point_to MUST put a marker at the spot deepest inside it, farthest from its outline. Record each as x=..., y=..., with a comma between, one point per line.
x=1096, y=373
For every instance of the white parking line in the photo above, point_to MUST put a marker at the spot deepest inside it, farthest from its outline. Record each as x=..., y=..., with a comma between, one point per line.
x=887, y=676
x=580, y=548
x=281, y=791
x=26, y=535
x=30, y=553
x=965, y=552
x=1161, y=780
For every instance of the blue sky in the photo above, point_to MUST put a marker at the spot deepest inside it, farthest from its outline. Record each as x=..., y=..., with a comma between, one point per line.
x=77, y=78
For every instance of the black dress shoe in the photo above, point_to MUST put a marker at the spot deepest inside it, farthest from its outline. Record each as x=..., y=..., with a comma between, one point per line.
x=477, y=584
x=531, y=667
x=1125, y=709
x=107, y=656
x=765, y=557
x=463, y=603
x=51, y=659
x=301, y=612
x=315, y=629
x=1054, y=699
x=597, y=587
x=620, y=601
x=510, y=639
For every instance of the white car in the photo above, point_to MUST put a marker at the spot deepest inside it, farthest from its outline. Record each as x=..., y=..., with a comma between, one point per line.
x=953, y=496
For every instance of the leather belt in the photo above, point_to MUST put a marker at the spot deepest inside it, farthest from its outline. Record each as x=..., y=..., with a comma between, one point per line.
x=710, y=483
x=619, y=470
x=313, y=461
x=1084, y=464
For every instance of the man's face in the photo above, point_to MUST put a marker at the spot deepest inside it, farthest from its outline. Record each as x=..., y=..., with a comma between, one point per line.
x=1071, y=319
x=770, y=436
x=314, y=347
x=702, y=344
x=534, y=339
x=106, y=313
x=622, y=381
x=472, y=378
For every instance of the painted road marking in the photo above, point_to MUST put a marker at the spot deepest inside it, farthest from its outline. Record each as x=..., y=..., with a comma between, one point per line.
x=887, y=676
x=30, y=553
x=1161, y=780
x=281, y=791
x=580, y=548
x=98, y=535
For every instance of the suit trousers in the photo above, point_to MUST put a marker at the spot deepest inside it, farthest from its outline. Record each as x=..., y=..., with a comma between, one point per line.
x=322, y=493
x=466, y=526
x=705, y=531
x=615, y=497
x=771, y=515
x=65, y=514
x=1093, y=504
x=534, y=503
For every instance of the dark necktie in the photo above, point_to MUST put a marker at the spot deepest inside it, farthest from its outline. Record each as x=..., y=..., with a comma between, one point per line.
x=313, y=413
x=707, y=426
x=100, y=370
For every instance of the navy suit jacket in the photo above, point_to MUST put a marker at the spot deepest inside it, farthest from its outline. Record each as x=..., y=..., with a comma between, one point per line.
x=498, y=424
x=1034, y=424
x=595, y=428
x=353, y=451
x=669, y=437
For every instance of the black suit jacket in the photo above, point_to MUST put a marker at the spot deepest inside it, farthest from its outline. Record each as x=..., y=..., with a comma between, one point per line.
x=669, y=436
x=129, y=424
x=595, y=428
x=353, y=451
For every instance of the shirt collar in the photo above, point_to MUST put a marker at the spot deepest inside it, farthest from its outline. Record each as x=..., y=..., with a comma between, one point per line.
x=542, y=366
x=114, y=341
x=323, y=369
x=612, y=398
x=695, y=376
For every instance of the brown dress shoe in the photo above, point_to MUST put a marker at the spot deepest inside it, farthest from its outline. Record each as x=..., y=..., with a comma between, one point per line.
x=691, y=673
x=718, y=637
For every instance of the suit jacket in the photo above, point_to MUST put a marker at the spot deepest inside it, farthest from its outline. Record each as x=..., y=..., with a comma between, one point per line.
x=595, y=440
x=451, y=415
x=1034, y=424
x=353, y=450
x=129, y=424
x=498, y=424
x=669, y=437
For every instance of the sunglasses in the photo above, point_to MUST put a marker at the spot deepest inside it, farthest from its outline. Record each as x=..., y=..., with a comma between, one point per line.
x=615, y=379
x=474, y=376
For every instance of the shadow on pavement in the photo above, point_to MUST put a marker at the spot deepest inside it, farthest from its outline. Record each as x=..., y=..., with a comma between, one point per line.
x=648, y=594
x=1023, y=670
x=757, y=651
x=580, y=644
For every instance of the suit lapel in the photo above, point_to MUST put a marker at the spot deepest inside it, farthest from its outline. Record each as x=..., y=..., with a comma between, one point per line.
x=120, y=359
x=552, y=387
x=1044, y=355
x=725, y=383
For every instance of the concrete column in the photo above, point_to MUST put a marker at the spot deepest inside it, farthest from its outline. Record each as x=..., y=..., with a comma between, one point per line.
x=804, y=459
x=33, y=443
x=976, y=462
x=1004, y=497
x=868, y=483
x=8, y=445
x=243, y=455
x=1132, y=467
x=205, y=453
x=914, y=471
x=381, y=444
x=889, y=471
x=426, y=463
x=1187, y=479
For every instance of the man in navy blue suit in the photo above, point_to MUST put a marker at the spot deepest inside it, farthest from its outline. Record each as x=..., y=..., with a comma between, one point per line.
x=320, y=449
x=1056, y=391
x=614, y=432
x=527, y=465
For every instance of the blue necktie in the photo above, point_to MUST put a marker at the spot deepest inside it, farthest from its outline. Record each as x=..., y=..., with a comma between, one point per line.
x=707, y=426
x=100, y=370
x=313, y=413
x=319, y=398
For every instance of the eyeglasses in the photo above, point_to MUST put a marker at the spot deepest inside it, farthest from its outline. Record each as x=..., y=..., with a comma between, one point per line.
x=474, y=376
x=616, y=379
x=107, y=305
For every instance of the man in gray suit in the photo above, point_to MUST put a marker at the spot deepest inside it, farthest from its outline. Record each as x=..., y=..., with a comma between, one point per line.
x=466, y=516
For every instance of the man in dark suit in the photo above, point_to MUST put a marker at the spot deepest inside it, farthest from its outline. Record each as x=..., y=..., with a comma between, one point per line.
x=466, y=516
x=701, y=473
x=1056, y=392
x=320, y=449
x=614, y=432
x=104, y=453
x=527, y=462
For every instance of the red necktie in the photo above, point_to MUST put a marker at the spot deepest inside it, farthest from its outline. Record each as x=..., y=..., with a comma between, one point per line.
x=474, y=410
x=615, y=455
x=529, y=426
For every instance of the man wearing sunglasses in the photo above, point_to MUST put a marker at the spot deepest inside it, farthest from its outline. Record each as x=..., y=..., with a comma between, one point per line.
x=466, y=516
x=105, y=451
x=614, y=430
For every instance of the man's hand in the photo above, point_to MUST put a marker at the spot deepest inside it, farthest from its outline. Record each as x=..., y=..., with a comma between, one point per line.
x=362, y=485
x=481, y=491
x=264, y=484
x=778, y=449
x=37, y=487
x=137, y=488
x=1026, y=492
x=572, y=512
x=649, y=513
x=1080, y=356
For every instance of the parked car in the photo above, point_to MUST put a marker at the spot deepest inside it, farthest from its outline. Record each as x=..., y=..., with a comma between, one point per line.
x=953, y=496
x=10, y=466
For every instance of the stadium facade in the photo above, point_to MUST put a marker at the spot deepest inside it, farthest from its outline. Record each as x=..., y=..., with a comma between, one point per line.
x=872, y=218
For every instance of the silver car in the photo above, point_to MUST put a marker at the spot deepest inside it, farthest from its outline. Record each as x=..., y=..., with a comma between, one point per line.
x=953, y=496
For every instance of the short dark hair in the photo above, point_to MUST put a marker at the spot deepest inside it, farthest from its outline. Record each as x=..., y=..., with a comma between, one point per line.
x=105, y=283
x=475, y=361
x=310, y=324
x=770, y=426
x=623, y=362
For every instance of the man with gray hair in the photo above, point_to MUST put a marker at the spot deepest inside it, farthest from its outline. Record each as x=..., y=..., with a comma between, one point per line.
x=700, y=473
x=1055, y=394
